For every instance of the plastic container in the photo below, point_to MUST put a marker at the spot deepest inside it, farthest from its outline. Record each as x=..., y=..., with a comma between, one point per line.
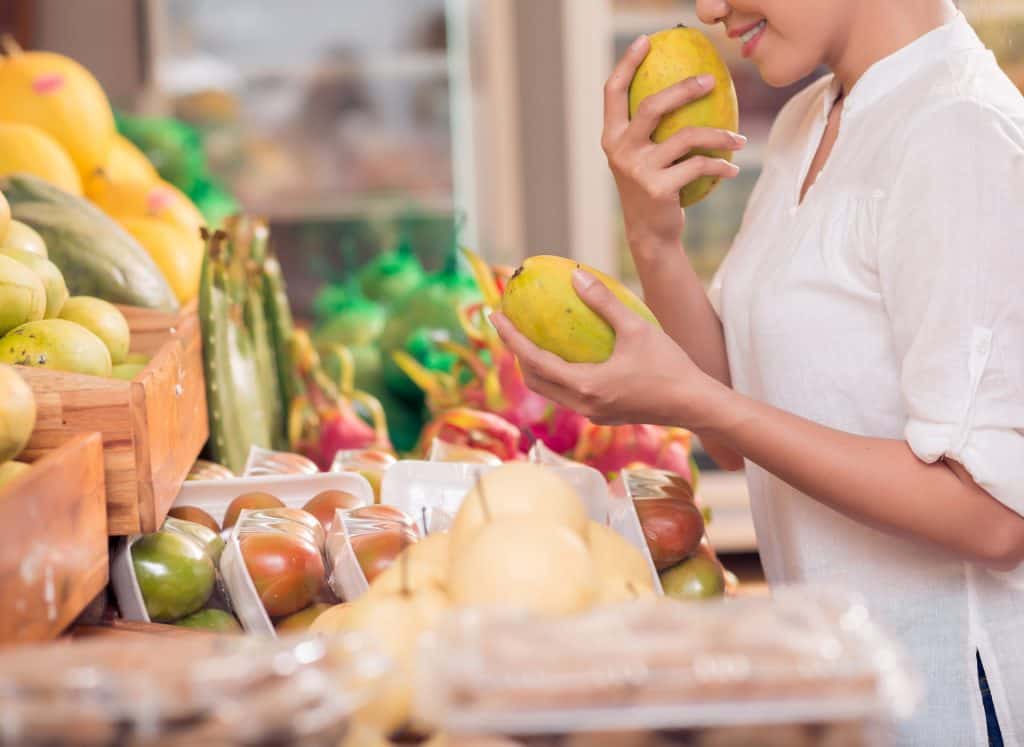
x=800, y=657
x=214, y=497
x=263, y=462
x=203, y=690
x=370, y=463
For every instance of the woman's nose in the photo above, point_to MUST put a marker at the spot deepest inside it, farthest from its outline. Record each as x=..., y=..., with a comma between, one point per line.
x=712, y=11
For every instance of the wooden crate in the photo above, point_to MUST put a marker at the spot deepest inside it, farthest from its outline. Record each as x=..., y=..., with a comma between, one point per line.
x=53, y=540
x=153, y=427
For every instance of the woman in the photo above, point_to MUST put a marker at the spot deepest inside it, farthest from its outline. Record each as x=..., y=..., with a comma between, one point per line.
x=862, y=349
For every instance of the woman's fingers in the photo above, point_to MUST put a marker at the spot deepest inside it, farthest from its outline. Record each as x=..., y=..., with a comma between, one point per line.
x=676, y=177
x=548, y=365
x=650, y=111
x=691, y=138
x=616, y=90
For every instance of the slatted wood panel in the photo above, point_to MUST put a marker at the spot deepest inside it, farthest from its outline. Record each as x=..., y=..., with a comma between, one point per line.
x=153, y=428
x=53, y=540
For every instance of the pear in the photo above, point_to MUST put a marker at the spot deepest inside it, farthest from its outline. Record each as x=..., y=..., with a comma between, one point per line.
x=427, y=567
x=518, y=489
x=615, y=558
x=675, y=55
x=524, y=563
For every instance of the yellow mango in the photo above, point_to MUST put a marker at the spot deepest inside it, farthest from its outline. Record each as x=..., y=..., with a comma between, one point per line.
x=153, y=199
x=5, y=217
x=25, y=149
x=126, y=163
x=178, y=255
x=541, y=302
x=675, y=55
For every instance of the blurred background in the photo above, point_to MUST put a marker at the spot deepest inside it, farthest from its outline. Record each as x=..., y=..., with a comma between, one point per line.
x=354, y=125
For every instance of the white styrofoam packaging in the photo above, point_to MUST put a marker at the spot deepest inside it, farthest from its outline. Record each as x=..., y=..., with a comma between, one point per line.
x=214, y=496
x=439, y=487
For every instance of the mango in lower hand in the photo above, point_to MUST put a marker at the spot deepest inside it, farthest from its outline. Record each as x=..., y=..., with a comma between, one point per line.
x=675, y=55
x=542, y=303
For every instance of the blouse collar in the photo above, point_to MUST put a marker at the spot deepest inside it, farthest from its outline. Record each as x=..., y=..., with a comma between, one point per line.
x=891, y=72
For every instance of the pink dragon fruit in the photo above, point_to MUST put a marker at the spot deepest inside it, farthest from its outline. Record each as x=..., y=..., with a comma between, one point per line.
x=610, y=448
x=323, y=419
x=498, y=387
x=473, y=429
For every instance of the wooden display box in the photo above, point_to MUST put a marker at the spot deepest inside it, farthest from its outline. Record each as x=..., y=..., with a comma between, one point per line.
x=153, y=427
x=53, y=540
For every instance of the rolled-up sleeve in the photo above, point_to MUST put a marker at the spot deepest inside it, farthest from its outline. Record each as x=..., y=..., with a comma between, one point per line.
x=951, y=269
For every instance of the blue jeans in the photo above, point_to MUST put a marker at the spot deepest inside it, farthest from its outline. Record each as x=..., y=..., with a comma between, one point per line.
x=995, y=737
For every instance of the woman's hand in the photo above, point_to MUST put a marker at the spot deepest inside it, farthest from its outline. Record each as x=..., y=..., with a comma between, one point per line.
x=648, y=176
x=648, y=379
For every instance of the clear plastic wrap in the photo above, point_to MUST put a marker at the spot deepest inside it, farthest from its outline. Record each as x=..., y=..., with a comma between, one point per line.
x=205, y=690
x=370, y=463
x=798, y=657
x=262, y=462
x=363, y=542
x=443, y=451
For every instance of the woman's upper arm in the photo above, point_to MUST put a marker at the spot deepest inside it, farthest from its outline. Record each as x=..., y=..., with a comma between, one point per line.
x=951, y=268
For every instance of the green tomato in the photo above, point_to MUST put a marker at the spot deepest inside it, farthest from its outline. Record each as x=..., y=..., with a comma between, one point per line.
x=695, y=578
x=213, y=620
x=175, y=575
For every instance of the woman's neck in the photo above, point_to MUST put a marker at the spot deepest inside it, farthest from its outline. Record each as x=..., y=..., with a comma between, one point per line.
x=882, y=27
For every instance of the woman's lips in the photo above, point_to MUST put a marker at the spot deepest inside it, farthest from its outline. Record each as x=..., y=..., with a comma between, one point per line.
x=752, y=37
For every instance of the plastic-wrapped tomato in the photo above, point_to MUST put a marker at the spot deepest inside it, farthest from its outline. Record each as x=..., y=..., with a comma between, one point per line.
x=326, y=502
x=377, y=551
x=286, y=571
x=250, y=501
x=672, y=527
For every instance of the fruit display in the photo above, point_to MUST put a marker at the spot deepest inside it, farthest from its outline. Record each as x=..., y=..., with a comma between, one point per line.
x=25, y=149
x=175, y=575
x=54, y=287
x=675, y=55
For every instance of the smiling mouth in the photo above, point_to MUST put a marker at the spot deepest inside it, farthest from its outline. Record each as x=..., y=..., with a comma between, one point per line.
x=752, y=32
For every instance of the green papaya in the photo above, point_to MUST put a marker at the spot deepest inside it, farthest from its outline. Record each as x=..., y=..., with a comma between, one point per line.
x=96, y=256
x=57, y=344
x=53, y=282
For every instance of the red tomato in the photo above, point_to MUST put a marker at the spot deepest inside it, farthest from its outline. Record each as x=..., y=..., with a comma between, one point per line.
x=249, y=500
x=376, y=551
x=194, y=514
x=286, y=571
x=673, y=529
x=323, y=505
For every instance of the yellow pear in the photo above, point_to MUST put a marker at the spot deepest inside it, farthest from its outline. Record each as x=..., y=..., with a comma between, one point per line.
x=524, y=563
x=675, y=55
x=517, y=489
x=616, y=589
x=426, y=567
x=614, y=557
x=542, y=303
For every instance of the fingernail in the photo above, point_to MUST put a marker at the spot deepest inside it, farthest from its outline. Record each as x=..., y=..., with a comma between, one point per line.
x=639, y=42
x=706, y=80
x=583, y=279
x=738, y=138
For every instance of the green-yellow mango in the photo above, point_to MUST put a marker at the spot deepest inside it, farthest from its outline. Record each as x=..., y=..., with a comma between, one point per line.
x=57, y=344
x=10, y=470
x=17, y=413
x=675, y=55
x=22, y=295
x=53, y=281
x=104, y=320
x=24, y=237
x=542, y=303
x=127, y=371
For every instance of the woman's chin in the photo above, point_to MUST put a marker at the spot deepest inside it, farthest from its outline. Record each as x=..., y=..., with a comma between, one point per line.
x=782, y=76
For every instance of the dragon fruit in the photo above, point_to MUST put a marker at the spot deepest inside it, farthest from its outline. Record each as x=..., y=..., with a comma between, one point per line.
x=475, y=429
x=323, y=419
x=611, y=448
x=496, y=384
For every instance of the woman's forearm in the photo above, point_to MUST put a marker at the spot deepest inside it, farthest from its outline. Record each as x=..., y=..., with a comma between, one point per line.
x=879, y=482
x=676, y=296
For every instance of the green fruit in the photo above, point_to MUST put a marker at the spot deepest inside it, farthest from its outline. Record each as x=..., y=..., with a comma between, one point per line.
x=127, y=371
x=391, y=275
x=208, y=539
x=9, y=471
x=97, y=256
x=17, y=413
x=542, y=303
x=53, y=282
x=212, y=620
x=22, y=295
x=138, y=358
x=20, y=236
x=175, y=575
x=675, y=55
x=696, y=578
x=57, y=344
x=104, y=320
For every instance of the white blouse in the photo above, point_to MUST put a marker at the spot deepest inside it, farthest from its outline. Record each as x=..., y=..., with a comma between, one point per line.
x=891, y=304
